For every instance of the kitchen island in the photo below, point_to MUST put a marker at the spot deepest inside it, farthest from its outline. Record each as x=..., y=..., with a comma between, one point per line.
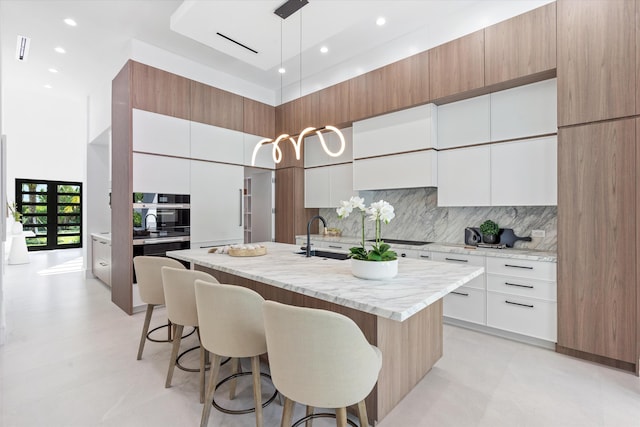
x=401, y=316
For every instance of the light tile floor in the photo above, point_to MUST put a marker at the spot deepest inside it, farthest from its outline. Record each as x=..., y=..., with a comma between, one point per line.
x=70, y=361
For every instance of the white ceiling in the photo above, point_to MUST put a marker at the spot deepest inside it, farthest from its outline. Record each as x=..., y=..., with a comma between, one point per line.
x=99, y=45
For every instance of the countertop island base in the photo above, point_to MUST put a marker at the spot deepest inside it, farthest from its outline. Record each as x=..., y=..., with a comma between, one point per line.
x=409, y=348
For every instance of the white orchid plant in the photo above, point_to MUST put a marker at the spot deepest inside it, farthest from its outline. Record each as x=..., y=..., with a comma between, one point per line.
x=379, y=212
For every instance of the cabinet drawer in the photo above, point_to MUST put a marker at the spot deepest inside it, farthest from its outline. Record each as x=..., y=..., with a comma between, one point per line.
x=466, y=304
x=406, y=253
x=522, y=315
x=522, y=286
x=458, y=258
x=425, y=255
x=522, y=268
x=317, y=244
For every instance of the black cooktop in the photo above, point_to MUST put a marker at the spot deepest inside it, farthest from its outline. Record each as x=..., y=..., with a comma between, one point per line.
x=402, y=242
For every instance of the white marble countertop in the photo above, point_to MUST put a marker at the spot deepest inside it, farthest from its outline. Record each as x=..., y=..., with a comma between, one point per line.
x=417, y=285
x=514, y=253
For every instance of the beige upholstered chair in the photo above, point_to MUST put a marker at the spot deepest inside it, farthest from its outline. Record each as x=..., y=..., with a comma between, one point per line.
x=180, y=299
x=149, y=278
x=231, y=324
x=320, y=359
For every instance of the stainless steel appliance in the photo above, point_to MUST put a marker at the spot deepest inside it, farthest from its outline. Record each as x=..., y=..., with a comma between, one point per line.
x=161, y=223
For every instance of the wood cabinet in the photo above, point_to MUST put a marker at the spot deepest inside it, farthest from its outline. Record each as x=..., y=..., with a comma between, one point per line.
x=289, y=117
x=457, y=66
x=597, y=255
x=399, y=85
x=160, y=134
x=291, y=216
x=258, y=118
x=216, y=203
x=596, y=60
x=474, y=113
x=159, y=91
x=521, y=46
x=464, y=176
x=216, y=107
x=329, y=106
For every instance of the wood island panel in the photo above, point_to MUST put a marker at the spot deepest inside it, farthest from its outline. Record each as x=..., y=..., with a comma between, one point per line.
x=597, y=286
x=457, y=67
x=596, y=60
x=521, y=46
x=216, y=107
x=159, y=91
x=409, y=349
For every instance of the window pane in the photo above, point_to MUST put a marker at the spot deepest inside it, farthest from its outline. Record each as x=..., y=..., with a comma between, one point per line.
x=69, y=220
x=68, y=240
x=69, y=209
x=68, y=189
x=31, y=209
x=35, y=220
x=37, y=241
x=69, y=229
x=34, y=198
x=68, y=199
x=40, y=188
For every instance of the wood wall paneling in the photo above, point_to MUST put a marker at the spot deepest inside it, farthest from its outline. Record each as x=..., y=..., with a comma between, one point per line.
x=310, y=111
x=159, y=91
x=216, y=107
x=258, y=118
x=457, y=66
x=333, y=105
x=597, y=286
x=521, y=46
x=637, y=322
x=121, y=190
x=366, y=97
x=289, y=117
x=291, y=216
x=596, y=60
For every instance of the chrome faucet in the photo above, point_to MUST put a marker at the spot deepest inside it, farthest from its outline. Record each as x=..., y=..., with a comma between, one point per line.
x=145, y=224
x=324, y=221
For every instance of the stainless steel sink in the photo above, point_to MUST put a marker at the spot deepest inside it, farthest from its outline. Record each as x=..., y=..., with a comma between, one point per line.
x=327, y=254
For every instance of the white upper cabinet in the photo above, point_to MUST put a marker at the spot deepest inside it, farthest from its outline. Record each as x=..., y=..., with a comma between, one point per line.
x=216, y=143
x=409, y=170
x=160, y=134
x=407, y=130
x=264, y=157
x=464, y=122
x=314, y=154
x=523, y=111
x=524, y=173
x=326, y=186
x=464, y=177
x=160, y=174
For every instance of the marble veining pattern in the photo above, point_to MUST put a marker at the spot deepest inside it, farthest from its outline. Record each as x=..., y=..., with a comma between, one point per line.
x=418, y=217
x=417, y=285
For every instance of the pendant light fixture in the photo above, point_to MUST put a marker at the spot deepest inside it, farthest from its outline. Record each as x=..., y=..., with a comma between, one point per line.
x=284, y=11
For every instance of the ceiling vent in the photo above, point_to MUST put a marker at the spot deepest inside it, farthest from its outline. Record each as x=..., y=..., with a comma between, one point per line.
x=22, y=48
x=236, y=42
x=290, y=7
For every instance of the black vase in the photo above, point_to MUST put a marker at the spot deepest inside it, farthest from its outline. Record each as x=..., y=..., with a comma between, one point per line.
x=490, y=239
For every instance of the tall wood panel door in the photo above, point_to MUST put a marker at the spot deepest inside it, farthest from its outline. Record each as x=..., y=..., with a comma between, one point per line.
x=521, y=46
x=216, y=107
x=596, y=60
x=258, y=118
x=597, y=286
x=159, y=91
x=291, y=216
x=457, y=66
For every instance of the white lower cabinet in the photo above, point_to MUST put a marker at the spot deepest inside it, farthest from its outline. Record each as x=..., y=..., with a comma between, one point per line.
x=216, y=203
x=101, y=260
x=467, y=304
x=527, y=316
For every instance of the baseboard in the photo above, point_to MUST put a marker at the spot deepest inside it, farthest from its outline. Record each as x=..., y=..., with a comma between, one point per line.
x=602, y=360
x=549, y=345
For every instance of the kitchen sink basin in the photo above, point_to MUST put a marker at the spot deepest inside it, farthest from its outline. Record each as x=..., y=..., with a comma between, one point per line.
x=327, y=254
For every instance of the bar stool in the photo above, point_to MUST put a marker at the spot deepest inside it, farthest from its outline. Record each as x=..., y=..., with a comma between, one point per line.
x=180, y=299
x=231, y=324
x=149, y=278
x=320, y=359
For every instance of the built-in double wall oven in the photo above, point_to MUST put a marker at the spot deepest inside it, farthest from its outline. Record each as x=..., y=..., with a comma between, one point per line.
x=161, y=223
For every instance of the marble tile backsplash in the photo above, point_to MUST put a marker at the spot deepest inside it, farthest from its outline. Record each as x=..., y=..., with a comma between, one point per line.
x=419, y=218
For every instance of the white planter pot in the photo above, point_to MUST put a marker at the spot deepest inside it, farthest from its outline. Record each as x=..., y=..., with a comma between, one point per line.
x=374, y=270
x=16, y=228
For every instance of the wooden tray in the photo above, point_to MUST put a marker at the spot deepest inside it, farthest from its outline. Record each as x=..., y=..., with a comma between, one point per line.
x=247, y=252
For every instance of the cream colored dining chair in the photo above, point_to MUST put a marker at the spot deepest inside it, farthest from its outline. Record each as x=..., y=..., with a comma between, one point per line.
x=231, y=324
x=180, y=299
x=149, y=279
x=320, y=359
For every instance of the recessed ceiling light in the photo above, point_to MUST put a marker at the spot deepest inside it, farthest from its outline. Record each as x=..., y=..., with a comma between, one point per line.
x=48, y=86
x=381, y=21
x=324, y=49
x=70, y=22
x=281, y=70
x=53, y=70
x=60, y=50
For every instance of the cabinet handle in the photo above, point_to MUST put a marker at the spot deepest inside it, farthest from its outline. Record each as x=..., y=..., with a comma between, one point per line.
x=520, y=286
x=460, y=293
x=103, y=243
x=457, y=260
x=519, y=266
x=240, y=207
x=425, y=256
x=104, y=264
x=335, y=247
x=517, y=303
